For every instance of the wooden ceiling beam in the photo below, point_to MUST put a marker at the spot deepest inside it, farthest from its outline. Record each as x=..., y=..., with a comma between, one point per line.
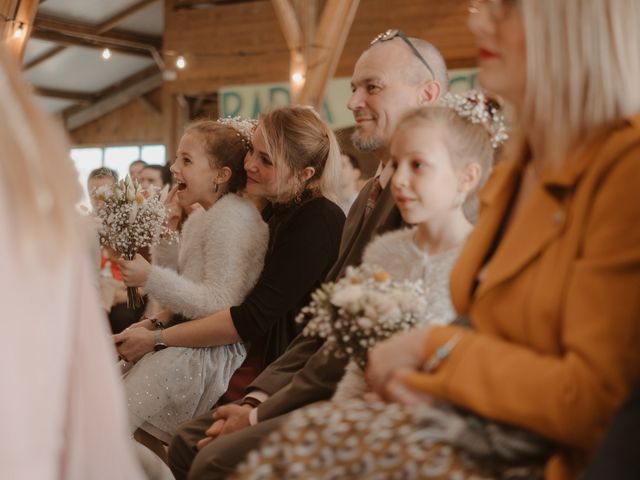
x=104, y=27
x=121, y=16
x=127, y=82
x=150, y=105
x=115, y=97
x=331, y=38
x=45, y=56
x=78, y=97
x=298, y=24
x=87, y=31
x=188, y=4
x=98, y=43
x=289, y=24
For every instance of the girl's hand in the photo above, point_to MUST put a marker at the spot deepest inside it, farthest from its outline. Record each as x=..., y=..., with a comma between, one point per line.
x=144, y=323
x=134, y=272
x=395, y=390
x=175, y=212
x=402, y=352
x=134, y=343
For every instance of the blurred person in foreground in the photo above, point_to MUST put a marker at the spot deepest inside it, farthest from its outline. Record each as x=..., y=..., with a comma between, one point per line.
x=57, y=366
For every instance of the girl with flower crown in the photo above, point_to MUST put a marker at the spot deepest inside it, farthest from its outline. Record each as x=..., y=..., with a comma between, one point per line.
x=441, y=155
x=293, y=166
x=216, y=261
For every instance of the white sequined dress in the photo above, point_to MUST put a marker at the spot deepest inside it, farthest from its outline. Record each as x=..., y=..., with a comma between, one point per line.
x=216, y=263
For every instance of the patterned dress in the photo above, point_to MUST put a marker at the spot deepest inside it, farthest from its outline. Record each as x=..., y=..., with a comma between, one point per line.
x=215, y=264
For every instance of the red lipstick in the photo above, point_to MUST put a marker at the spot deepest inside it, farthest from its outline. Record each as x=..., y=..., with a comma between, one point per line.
x=485, y=54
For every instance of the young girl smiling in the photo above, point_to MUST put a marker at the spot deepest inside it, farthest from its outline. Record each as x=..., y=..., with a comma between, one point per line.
x=440, y=159
x=216, y=262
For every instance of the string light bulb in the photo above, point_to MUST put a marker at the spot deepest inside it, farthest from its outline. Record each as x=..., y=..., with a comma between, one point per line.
x=181, y=62
x=106, y=54
x=19, y=31
x=297, y=78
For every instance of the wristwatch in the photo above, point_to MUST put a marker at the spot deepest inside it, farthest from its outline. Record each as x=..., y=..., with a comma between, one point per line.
x=159, y=343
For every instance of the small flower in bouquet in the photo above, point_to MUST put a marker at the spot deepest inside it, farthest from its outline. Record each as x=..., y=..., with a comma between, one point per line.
x=131, y=218
x=363, y=308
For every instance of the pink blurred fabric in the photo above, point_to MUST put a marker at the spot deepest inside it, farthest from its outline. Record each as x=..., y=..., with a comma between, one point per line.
x=62, y=409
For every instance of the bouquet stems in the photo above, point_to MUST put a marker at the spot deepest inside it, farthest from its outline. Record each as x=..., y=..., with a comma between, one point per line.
x=134, y=299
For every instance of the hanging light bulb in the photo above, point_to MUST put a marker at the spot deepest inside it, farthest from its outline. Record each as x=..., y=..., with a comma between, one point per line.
x=297, y=78
x=106, y=54
x=19, y=31
x=181, y=62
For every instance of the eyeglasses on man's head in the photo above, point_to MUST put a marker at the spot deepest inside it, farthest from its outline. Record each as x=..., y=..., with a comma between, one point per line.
x=393, y=33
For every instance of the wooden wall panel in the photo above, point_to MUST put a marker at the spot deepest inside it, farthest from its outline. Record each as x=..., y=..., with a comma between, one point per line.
x=236, y=44
x=243, y=44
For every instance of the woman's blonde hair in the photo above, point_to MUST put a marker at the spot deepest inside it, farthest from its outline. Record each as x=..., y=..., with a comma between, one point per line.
x=38, y=178
x=466, y=143
x=297, y=137
x=583, y=68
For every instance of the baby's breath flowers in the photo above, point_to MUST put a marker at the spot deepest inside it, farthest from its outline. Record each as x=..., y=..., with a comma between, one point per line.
x=361, y=309
x=131, y=218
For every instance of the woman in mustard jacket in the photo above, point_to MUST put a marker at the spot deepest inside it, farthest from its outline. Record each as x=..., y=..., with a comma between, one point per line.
x=549, y=281
x=550, y=277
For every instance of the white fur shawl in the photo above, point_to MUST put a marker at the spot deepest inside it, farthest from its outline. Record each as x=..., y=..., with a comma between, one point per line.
x=218, y=260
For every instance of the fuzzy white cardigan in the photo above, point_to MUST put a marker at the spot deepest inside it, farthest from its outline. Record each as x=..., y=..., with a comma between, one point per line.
x=215, y=263
x=399, y=256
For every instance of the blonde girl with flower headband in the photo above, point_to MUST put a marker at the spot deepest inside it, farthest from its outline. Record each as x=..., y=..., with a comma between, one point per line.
x=216, y=261
x=441, y=155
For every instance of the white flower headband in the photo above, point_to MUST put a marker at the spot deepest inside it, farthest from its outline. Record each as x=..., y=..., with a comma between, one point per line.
x=475, y=107
x=244, y=128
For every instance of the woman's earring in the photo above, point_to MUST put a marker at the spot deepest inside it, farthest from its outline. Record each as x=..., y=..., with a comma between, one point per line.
x=216, y=187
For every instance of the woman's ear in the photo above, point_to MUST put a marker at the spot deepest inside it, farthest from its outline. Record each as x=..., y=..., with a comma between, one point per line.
x=307, y=174
x=224, y=175
x=469, y=177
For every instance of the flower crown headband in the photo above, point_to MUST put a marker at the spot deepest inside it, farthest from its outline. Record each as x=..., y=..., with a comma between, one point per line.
x=477, y=108
x=244, y=128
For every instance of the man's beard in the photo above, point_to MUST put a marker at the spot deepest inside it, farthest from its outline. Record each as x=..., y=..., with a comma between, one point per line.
x=366, y=144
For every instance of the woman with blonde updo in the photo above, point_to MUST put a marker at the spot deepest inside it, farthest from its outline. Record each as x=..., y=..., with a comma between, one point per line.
x=293, y=165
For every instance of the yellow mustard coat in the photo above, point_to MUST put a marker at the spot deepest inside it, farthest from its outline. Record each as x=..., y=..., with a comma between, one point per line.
x=555, y=344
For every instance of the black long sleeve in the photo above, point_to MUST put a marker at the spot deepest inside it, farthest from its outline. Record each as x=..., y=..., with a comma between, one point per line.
x=303, y=246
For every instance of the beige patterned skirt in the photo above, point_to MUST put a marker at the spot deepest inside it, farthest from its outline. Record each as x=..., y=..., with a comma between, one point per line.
x=380, y=441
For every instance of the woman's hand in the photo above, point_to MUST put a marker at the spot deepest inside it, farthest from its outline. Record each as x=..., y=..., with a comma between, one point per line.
x=134, y=272
x=134, y=343
x=399, y=354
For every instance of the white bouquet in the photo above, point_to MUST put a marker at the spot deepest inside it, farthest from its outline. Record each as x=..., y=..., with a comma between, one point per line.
x=131, y=218
x=361, y=309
